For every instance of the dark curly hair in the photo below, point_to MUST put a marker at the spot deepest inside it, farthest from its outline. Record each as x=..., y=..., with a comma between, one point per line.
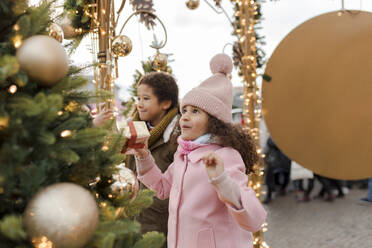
x=164, y=86
x=235, y=137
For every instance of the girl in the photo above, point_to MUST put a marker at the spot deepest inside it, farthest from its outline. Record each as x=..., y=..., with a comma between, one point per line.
x=157, y=105
x=210, y=204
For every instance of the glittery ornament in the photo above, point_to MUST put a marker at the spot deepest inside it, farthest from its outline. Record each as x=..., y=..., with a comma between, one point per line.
x=72, y=106
x=121, y=46
x=192, y=4
x=159, y=62
x=63, y=215
x=125, y=181
x=56, y=32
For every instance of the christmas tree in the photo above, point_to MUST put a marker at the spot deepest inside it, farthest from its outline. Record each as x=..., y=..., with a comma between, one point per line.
x=48, y=146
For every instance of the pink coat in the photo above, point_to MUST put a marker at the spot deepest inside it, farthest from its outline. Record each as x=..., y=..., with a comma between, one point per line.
x=197, y=217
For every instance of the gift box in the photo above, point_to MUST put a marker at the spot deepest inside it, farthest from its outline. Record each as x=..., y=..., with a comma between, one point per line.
x=136, y=133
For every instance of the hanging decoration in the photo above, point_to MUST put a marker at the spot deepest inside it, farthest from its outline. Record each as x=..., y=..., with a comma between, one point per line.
x=61, y=215
x=159, y=61
x=125, y=181
x=192, y=4
x=83, y=17
x=69, y=31
x=121, y=46
x=44, y=59
x=147, y=7
x=56, y=32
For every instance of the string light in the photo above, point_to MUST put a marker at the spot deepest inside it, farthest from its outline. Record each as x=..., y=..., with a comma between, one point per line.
x=42, y=242
x=12, y=89
x=246, y=10
x=17, y=41
x=65, y=133
x=16, y=27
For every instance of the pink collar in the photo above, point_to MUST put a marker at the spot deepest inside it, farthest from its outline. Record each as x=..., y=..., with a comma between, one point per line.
x=187, y=146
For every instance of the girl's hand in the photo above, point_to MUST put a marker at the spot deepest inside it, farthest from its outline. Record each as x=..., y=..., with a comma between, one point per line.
x=140, y=152
x=213, y=164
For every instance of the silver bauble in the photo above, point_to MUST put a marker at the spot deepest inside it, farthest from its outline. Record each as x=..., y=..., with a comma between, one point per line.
x=63, y=214
x=121, y=46
x=125, y=181
x=43, y=59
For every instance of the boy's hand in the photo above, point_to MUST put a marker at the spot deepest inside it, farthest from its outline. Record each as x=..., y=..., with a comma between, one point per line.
x=213, y=164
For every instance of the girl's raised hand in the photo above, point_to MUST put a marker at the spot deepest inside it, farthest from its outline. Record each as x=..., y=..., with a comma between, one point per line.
x=213, y=164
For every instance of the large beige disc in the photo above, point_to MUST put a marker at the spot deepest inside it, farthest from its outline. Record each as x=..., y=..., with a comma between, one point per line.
x=318, y=105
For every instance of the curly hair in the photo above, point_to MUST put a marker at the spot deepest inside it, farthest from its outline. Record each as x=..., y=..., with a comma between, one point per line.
x=235, y=137
x=164, y=86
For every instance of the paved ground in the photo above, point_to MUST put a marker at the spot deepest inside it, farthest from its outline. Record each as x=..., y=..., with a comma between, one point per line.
x=319, y=224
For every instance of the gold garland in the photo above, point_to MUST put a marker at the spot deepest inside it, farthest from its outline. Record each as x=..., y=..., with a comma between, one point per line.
x=246, y=11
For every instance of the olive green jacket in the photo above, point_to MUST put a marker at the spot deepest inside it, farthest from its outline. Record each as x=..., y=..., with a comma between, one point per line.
x=155, y=218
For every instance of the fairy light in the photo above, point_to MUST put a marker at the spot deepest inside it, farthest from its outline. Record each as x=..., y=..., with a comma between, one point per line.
x=17, y=41
x=59, y=113
x=12, y=89
x=42, y=242
x=65, y=133
x=16, y=27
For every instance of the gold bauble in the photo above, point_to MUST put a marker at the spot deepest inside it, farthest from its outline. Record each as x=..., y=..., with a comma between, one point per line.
x=44, y=59
x=72, y=106
x=159, y=62
x=68, y=30
x=64, y=215
x=121, y=46
x=192, y=4
x=125, y=181
x=56, y=32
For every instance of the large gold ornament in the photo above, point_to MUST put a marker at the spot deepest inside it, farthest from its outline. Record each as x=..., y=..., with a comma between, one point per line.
x=121, y=46
x=192, y=4
x=125, y=181
x=159, y=62
x=68, y=30
x=318, y=110
x=56, y=32
x=64, y=215
x=44, y=59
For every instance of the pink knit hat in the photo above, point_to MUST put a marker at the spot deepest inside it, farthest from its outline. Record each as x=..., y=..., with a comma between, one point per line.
x=214, y=95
